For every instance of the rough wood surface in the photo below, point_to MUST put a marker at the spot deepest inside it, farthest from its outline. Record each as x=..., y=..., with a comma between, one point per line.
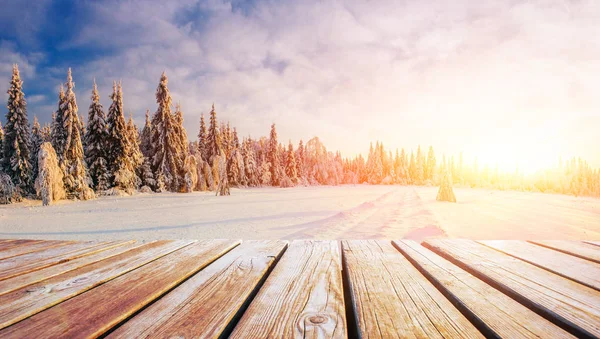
x=10, y=243
x=204, y=305
x=121, y=297
x=55, y=255
x=563, y=301
x=302, y=297
x=22, y=280
x=24, y=247
x=595, y=243
x=577, y=269
x=496, y=314
x=24, y=302
x=576, y=248
x=391, y=298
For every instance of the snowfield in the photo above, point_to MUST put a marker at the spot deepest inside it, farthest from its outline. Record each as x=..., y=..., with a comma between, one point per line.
x=322, y=212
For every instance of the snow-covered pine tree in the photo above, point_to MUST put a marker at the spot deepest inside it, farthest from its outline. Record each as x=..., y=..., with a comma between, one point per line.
x=300, y=165
x=135, y=154
x=96, y=139
x=16, y=156
x=1, y=145
x=59, y=133
x=290, y=165
x=120, y=163
x=235, y=139
x=72, y=162
x=190, y=169
x=250, y=165
x=166, y=159
x=49, y=184
x=183, y=147
x=47, y=133
x=445, y=192
x=203, y=139
x=273, y=157
x=213, y=138
x=37, y=139
x=146, y=138
x=430, y=165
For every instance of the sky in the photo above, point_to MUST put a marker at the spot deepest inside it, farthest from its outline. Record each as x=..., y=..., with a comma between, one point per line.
x=506, y=81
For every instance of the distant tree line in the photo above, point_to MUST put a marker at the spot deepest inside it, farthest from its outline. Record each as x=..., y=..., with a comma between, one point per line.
x=110, y=156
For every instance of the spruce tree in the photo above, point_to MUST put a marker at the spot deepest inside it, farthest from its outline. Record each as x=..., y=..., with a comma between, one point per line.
x=59, y=133
x=213, y=138
x=72, y=162
x=290, y=165
x=16, y=156
x=273, y=157
x=300, y=166
x=96, y=139
x=135, y=154
x=203, y=139
x=146, y=138
x=1, y=146
x=121, y=165
x=183, y=146
x=431, y=163
x=37, y=139
x=166, y=160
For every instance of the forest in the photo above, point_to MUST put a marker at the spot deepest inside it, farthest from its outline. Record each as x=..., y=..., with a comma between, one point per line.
x=109, y=155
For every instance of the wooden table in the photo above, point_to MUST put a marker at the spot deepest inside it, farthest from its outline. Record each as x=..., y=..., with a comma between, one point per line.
x=441, y=288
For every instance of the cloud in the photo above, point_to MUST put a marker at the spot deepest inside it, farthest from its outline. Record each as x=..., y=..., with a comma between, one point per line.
x=408, y=73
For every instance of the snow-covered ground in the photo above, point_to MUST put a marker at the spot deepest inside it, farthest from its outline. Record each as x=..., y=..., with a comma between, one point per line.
x=343, y=212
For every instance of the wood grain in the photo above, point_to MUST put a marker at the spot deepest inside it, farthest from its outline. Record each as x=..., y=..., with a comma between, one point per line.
x=572, y=305
x=495, y=314
x=28, y=247
x=302, y=297
x=26, y=279
x=119, y=298
x=205, y=305
x=577, y=269
x=595, y=243
x=10, y=243
x=576, y=248
x=24, y=302
x=391, y=298
x=34, y=261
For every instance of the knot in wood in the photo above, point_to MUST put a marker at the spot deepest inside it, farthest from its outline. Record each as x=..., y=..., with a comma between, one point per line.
x=317, y=319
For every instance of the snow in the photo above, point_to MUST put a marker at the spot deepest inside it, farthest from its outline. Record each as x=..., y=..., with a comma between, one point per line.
x=321, y=212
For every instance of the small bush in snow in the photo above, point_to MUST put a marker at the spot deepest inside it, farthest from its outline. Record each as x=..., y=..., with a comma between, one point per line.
x=8, y=192
x=145, y=189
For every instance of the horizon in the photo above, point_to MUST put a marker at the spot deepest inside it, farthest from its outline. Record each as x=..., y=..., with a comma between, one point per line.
x=400, y=81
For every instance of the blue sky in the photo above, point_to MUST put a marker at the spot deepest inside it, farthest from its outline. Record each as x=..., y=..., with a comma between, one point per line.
x=507, y=81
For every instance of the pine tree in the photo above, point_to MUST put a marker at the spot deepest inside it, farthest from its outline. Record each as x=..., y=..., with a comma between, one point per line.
x=16, y=155
x=183, y=146
x=430, y=165
x=445, y=192
x=96, y=139
x=203, y=139
x=213, y=138
x=72, y=162
x=59, y=132
x=250, y=165
x=37, y=139
x=166, y=161
x=290, y=166
x=273, y=157
x=121, y=165
x=1, y=145
x=135, y=154
x=146, y=142
x=300, y=165
x=49, y=184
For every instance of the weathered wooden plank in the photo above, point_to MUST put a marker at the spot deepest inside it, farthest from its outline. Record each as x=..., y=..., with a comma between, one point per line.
x=493, y=312
x=576, y=248
x=10, y=243
x=205, y=305
x=391, y=298
x=595, y=243
x=573, y=306
x=34, y=261
x=26, y=279
x=28, y=247
x=576, y=269
x=302, y=297
x=24, y=302
x=74, y=318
